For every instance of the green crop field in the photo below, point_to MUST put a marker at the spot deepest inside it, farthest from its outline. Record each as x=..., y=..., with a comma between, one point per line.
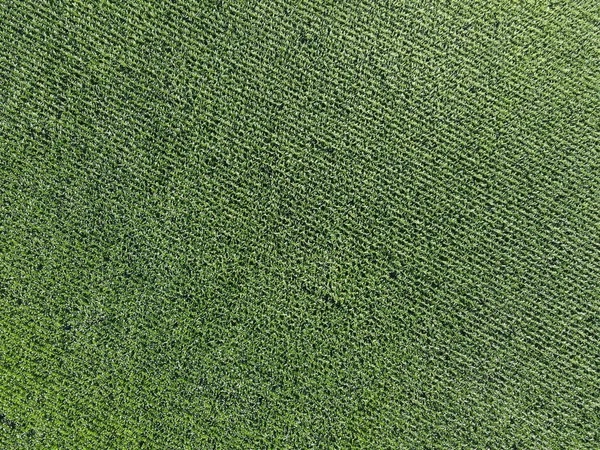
x=249, y=224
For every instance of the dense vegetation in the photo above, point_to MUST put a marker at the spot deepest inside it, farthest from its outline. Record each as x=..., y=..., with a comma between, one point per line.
x=299, y=224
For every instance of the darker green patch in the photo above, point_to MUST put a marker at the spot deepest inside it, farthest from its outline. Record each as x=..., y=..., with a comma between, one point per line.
x=8, y=422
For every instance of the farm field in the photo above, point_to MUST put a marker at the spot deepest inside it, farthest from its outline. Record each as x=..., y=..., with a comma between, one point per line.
x=300, y=224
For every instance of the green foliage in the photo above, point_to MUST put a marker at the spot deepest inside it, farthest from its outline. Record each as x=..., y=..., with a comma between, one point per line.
x=283, y=224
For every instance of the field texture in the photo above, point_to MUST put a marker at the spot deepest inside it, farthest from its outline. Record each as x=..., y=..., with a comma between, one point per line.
x=300, y=224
